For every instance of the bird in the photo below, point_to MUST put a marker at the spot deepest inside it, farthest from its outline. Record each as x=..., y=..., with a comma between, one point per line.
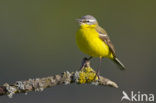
x=94, y=41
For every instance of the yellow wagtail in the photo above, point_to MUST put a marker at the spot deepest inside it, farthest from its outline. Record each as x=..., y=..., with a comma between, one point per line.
x=94, y=41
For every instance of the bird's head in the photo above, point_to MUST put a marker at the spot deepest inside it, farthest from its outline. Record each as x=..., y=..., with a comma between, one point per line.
x=87, y=21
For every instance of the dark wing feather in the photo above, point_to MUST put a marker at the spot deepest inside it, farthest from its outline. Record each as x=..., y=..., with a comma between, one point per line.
x=103, y=36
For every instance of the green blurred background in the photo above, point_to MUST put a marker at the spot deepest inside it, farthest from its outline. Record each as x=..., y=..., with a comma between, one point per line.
x=37, y=39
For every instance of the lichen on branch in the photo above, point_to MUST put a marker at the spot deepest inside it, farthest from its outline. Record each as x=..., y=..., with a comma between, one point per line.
x=84, y=76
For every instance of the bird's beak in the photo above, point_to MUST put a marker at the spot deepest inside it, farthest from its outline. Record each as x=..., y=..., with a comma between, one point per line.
x=78, y=20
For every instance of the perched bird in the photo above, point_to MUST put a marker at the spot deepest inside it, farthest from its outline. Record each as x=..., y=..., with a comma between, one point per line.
x=94, y=41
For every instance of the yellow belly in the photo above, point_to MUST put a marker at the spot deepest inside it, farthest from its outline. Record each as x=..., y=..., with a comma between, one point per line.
x=89, y=42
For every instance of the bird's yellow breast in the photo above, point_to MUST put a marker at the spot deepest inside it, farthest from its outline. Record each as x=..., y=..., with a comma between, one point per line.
x=88, y=41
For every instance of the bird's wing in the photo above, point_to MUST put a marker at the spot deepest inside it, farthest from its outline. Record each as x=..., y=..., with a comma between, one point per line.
x=104, y=37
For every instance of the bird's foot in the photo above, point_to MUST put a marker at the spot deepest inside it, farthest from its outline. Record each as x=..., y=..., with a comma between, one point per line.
x=85, y=63
x=97, y=75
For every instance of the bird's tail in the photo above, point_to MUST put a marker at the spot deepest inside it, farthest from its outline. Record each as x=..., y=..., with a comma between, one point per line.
x=118, y=62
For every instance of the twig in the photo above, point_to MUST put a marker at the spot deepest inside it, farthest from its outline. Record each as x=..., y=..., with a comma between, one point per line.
x=86, y=75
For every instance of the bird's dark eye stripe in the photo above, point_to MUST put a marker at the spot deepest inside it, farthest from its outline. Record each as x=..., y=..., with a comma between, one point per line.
x=86, y=20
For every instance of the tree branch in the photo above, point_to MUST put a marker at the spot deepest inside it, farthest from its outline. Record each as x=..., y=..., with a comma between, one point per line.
x=85, y=76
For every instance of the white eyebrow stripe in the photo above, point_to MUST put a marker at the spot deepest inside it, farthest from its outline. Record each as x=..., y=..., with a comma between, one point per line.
x=91, y=20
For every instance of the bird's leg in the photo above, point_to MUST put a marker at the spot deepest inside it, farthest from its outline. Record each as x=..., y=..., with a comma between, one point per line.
x=98, y=70
x=85, y=62
x=90, y=57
